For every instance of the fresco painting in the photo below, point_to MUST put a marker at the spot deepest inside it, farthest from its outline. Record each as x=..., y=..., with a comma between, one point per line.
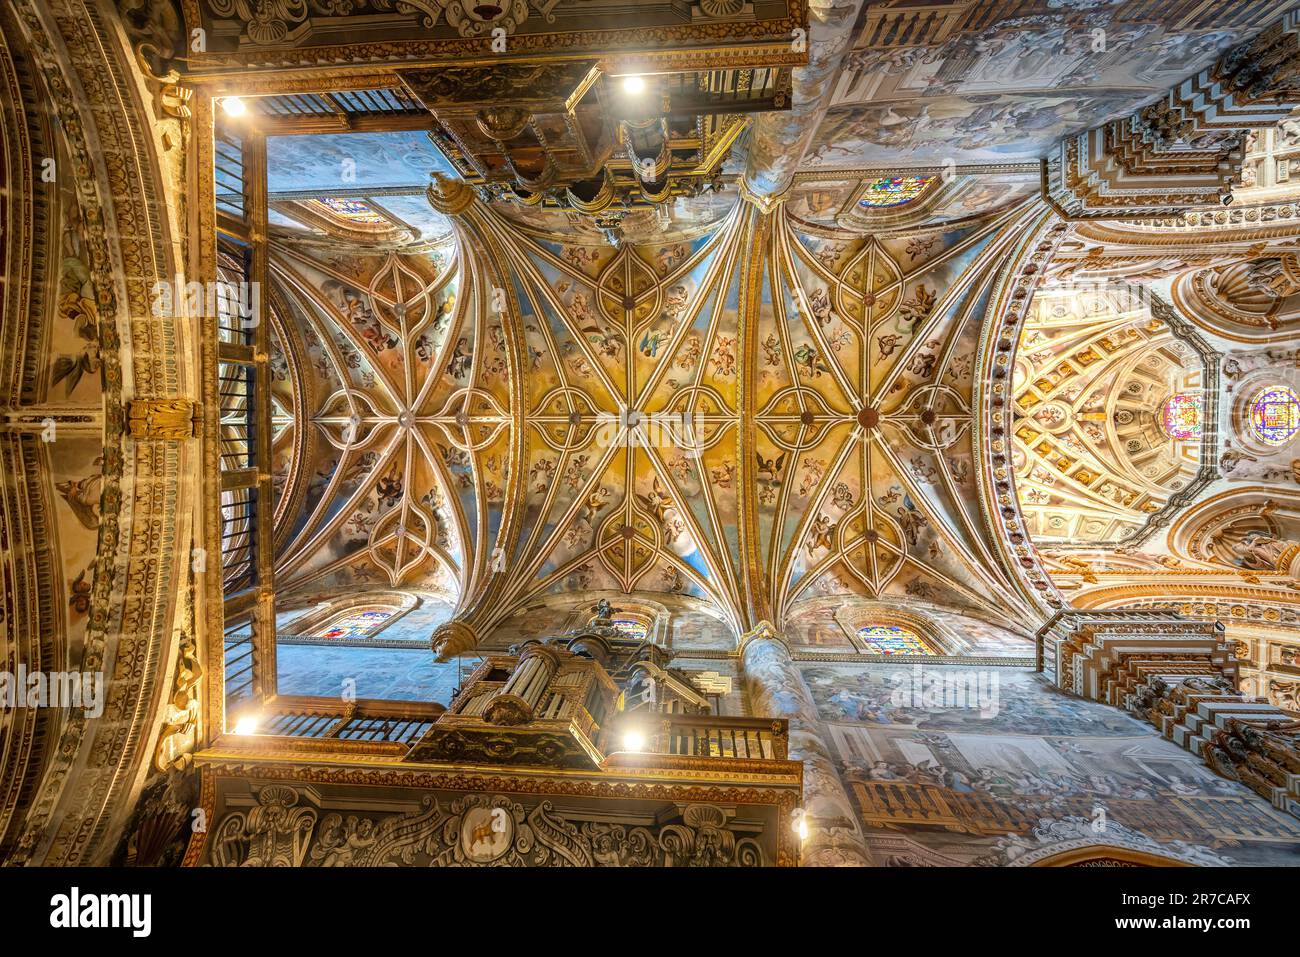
x=398, y=674
x=1003, y=81
x=956, y=765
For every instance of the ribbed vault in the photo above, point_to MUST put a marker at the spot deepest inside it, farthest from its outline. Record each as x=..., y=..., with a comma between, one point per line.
x=753, y=417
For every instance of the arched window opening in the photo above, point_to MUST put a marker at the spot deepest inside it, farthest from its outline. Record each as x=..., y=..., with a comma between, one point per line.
x=353, y=625
x=352, y=211
x=633, y=628
x=893, y=640
x=894, y=191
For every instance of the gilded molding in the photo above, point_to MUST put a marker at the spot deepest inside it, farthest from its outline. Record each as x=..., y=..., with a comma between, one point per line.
x=163, y=419
x=764, y=202
x=144, y=525
x=453, y=638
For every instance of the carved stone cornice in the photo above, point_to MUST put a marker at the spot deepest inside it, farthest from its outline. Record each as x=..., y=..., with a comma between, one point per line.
x=290, y=37
x=1185, y=150
x=332, y=817
x=1179, y=675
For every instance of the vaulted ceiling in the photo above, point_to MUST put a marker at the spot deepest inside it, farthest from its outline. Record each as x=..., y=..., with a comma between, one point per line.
x=755, y=385
x=756, y=416
x=738, y=374
x=1096, y=372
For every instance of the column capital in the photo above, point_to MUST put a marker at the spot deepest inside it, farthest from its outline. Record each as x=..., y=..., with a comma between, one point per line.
x=449, y=195
x=453, y=638
x=766, y=202
x=763, y=631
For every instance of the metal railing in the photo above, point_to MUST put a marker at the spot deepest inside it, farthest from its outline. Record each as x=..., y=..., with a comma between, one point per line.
x=239, y=658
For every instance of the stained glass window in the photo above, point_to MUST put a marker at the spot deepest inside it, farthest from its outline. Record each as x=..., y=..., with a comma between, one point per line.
x=632, y=628
x=1181, y=416
x=353, y=210
x=1275, y=415
x=894, y=191
x=360, y=624
x=893, y=640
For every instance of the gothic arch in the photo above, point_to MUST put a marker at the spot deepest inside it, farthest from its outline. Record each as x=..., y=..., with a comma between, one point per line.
x=1105, y=855
x=141, y=593
x=1255, y=528
x=396, y=603
x=851, y=615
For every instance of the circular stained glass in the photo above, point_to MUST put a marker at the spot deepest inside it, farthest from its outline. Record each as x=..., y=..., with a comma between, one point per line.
x=1180, y=416
x=1275, y=415
x=893, y=640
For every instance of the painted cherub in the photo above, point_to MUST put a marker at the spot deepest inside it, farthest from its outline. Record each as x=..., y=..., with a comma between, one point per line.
x=724, y=356
x=819, y=302
x=772, y=350
x=657, y=501
x=819, y=536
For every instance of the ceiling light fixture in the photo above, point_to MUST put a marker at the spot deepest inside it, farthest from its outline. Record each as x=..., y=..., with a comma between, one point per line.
x=233, y=106
x=633, y=741
x=634, y=84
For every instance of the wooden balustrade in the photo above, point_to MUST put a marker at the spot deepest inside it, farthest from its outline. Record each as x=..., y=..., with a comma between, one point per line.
x=301, y=716
x=712, y=736
x=375, y=721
